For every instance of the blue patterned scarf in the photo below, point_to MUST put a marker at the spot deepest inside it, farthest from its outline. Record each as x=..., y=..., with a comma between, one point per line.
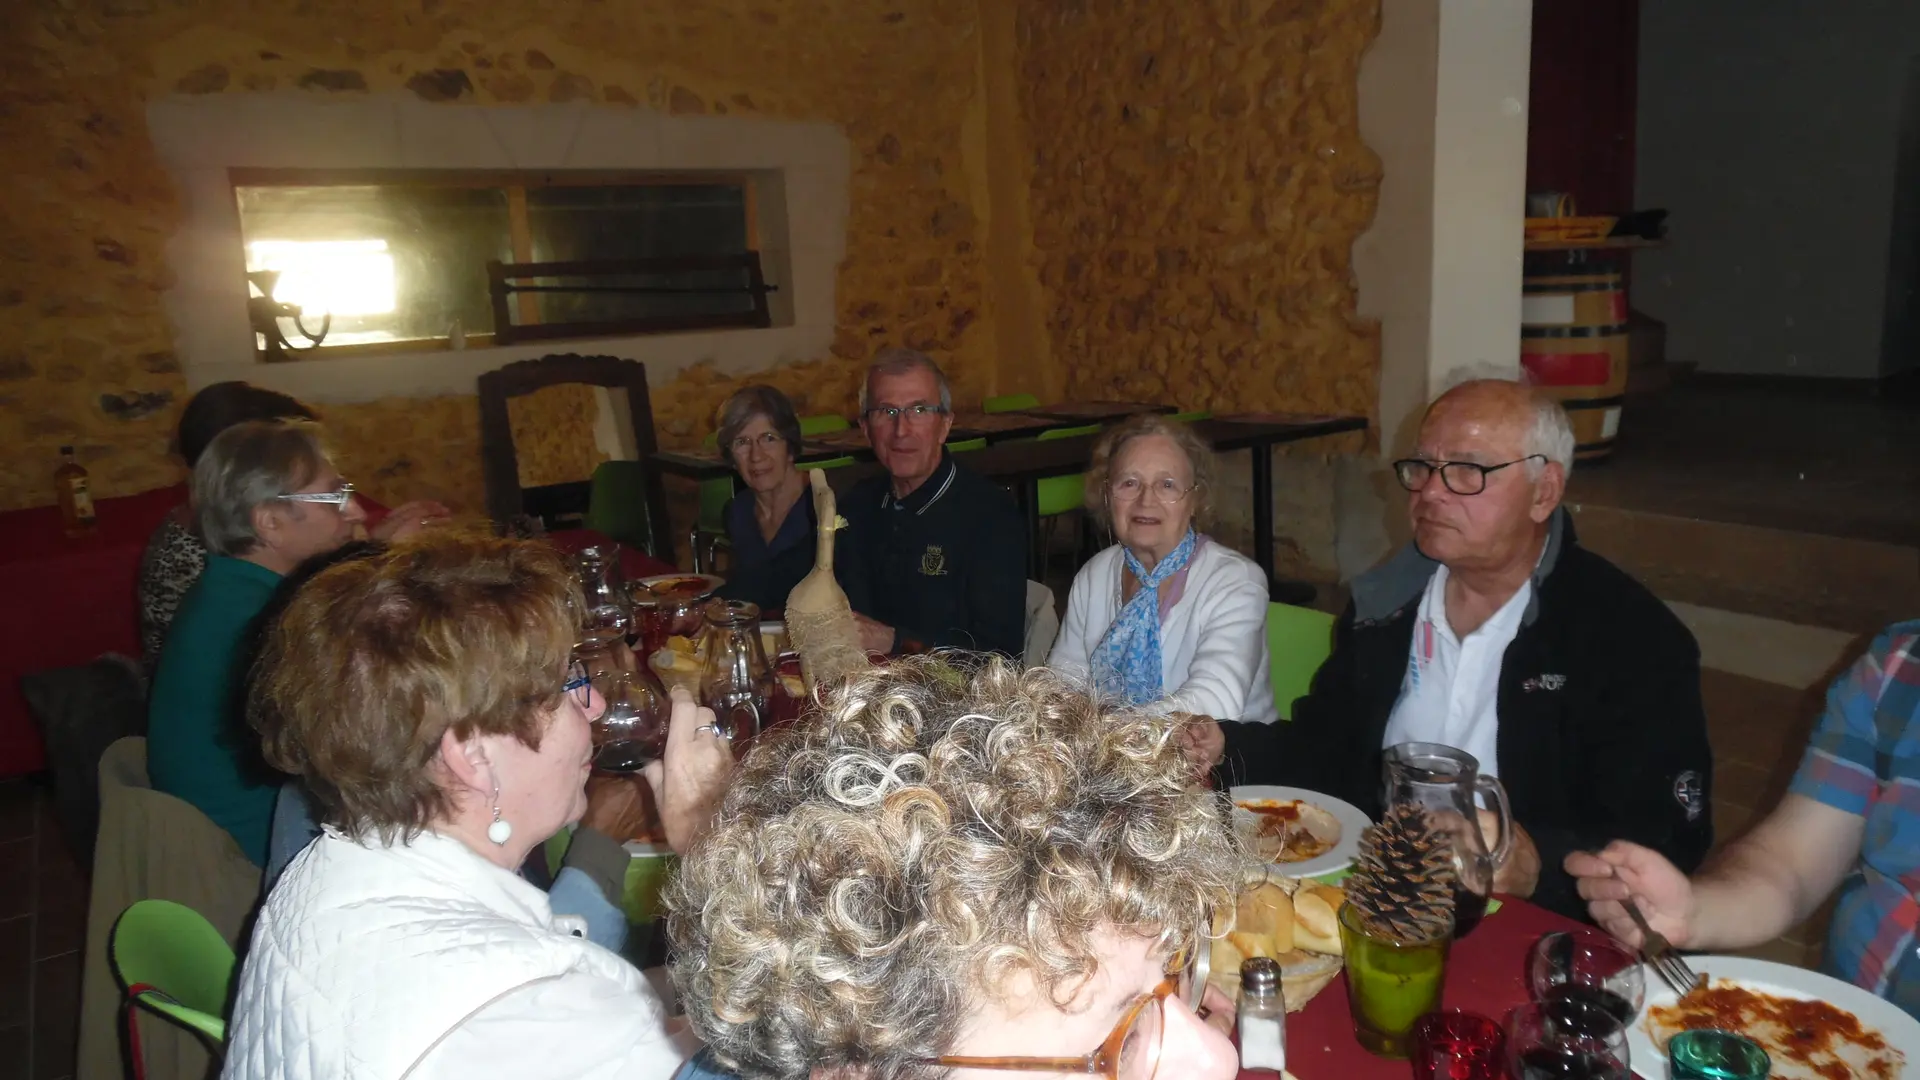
x=1126, y=662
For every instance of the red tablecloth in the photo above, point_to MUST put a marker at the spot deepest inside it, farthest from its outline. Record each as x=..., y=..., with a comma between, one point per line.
x=634, y=563
x=1484, y=975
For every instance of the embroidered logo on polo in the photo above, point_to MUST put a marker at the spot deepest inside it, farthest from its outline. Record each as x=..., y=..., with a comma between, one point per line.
x=1543, y=682
x=1690, y=794
x=933, y=562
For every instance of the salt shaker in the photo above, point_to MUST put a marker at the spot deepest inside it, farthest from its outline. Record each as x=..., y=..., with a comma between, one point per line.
x=1262, y=1016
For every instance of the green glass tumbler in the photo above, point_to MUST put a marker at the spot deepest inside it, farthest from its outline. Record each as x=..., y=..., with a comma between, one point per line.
x=1716, y=1055
x=1390, y=984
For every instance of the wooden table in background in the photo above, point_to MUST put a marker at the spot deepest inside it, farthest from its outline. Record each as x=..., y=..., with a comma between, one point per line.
x=1020, y=464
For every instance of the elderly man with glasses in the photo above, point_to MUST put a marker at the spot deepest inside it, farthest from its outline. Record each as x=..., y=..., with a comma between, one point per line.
x=1496, y=633
x=933, y=554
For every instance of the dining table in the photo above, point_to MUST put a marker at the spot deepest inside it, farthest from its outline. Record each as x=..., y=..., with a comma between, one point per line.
x=1486, y=974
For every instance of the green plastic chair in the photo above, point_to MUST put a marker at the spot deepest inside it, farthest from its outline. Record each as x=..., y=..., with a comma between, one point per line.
x=829, y=463
x=617, y=503
x=175, y=963
x=1299, y=640
x=961, y=446
x=1190, y=417
x=1010, y=403
x=1061, y=494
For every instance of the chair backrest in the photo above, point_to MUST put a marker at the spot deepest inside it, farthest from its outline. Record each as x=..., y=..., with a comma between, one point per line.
x=1299, y=640
x=1190, y=417
x=1068, y=432
x=961, y=446
x=824, y=424
x=829, y=463
x=501, y=465
x=617, y=505
x=1010, y=403
x=173, y=961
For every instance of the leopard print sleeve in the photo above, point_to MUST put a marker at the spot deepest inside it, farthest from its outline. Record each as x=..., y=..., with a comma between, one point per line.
x=171, y=564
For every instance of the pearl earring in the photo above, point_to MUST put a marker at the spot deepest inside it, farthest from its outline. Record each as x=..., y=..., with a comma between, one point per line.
x=500, y=831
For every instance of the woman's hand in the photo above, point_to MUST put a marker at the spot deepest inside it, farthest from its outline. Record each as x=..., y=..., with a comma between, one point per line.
x=409, y=519
x=1201, y=740
x=691, y=775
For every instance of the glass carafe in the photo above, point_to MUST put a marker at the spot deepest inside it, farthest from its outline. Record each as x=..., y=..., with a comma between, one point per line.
x=607, y=615
x=1445, y=782
x=736, y=682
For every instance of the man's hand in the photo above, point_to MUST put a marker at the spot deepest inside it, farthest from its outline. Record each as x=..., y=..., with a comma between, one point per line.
x=1519, y=875
x=1201, y=740
x=692, y=773
x=1621, y=869
x=617, y=807
x=409, y=519
x=874, y=636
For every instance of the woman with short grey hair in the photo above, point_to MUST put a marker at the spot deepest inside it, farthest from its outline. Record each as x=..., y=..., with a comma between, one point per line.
x=770, y=525
x=266, y=499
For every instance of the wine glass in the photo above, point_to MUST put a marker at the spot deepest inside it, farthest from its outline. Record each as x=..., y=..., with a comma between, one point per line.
x=1558, y=1040
x=1590, y=967
x=631, y=730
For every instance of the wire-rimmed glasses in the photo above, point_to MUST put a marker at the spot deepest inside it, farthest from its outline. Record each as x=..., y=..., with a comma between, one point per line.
x=1166, y=491
x=1460, y=477
x=338, y=498
x=917, y=412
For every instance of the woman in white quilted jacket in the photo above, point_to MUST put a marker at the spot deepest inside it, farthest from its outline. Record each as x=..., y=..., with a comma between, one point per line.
x=1167, y=616
x=427, y=697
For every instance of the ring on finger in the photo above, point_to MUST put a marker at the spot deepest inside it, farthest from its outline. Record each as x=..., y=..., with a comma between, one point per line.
x=714, y=730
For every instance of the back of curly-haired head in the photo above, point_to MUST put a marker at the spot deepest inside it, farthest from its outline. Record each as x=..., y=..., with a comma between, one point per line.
x=940, y=824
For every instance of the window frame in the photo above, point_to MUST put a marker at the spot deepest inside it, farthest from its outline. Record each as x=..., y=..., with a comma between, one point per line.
x=515, y=183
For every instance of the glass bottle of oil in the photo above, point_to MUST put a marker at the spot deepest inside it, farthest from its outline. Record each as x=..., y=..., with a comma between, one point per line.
x=76, y=501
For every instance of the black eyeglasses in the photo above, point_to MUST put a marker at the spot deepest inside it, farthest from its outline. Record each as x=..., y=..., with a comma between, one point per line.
x=1461, y=477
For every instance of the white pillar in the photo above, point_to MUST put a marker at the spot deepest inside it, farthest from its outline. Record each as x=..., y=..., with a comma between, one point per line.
x=1443, y=101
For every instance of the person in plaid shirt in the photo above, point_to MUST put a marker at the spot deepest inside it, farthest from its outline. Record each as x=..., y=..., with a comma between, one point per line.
x=1850, y=822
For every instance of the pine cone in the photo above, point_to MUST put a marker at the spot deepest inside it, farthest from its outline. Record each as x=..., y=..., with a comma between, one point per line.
x=1402, y=883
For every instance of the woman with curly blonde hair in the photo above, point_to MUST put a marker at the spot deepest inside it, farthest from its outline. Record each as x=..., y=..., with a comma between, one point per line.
x=957, y=868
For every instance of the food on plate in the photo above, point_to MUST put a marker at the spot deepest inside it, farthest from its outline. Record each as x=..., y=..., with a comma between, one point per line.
x=1805, y=1037
x=680, y=586
x=1290, y=830
x=1271, y=923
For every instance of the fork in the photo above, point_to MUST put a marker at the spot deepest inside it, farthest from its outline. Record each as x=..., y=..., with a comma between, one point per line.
x=1664, y=957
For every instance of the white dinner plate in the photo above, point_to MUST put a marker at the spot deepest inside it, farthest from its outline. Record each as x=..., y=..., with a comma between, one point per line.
x=1901, y=1031
x=1352, y=823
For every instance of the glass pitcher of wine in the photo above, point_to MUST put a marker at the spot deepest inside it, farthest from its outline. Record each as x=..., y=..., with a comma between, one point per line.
x=1445, y=782
x=737, y=681
x=607, y=615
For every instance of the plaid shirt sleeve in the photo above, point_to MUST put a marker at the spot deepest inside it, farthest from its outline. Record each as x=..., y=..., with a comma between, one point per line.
x=1869, y=723
x=1865, y=759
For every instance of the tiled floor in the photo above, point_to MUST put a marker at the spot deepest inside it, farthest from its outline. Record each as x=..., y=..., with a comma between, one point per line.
x=43, y=920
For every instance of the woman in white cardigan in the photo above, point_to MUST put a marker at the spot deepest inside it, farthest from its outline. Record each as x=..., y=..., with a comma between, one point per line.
x=427, y=697
x=1166, y=615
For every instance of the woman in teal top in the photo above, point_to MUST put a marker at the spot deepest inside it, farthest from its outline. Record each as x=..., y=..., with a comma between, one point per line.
x=266, y=498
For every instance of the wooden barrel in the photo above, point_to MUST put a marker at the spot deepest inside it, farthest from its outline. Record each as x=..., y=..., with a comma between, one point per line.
x=1573, y=344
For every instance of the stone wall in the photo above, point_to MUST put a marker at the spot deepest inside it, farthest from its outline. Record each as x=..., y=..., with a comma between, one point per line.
x=86, y=355
x=1198, y=182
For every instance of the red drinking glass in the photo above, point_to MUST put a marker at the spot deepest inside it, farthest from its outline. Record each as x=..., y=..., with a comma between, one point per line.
x=1456, y=1045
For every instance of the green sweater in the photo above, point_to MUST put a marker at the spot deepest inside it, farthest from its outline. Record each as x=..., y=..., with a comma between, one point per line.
x=199, y=747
